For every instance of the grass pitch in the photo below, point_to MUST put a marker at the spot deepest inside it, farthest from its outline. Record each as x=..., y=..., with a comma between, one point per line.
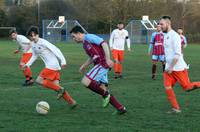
x=144, y=98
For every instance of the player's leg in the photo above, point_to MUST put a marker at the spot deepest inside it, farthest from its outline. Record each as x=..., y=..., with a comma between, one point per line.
x=163, y=66
x=115, y=54
x=66, y=96
x=103, y=78
x=27, y=71
x=94, y=85
x=47, y=83
x=50, y=79
x=169, y=82
x=104, y=86
x=184, y=81
x=54, y=85
x=121, y=59
x=154, y=66
x=120, y=109
x=162, y=60
x=195, y=85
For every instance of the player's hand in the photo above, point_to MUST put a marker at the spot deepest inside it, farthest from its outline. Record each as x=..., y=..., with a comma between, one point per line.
x=109, y=63
x=24, y=67
x=16, y=51
x=184, y=46
x=82, y=69
x=170, y=70
x=63, y=66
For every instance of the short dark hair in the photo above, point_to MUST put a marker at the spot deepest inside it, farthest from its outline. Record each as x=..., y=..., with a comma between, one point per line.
x=76, y=29
x=166, y=17
x=12, y=31
x=32, y=29
x=120, y=23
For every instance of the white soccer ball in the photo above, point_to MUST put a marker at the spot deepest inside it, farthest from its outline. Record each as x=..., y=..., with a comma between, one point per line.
x=42, y=107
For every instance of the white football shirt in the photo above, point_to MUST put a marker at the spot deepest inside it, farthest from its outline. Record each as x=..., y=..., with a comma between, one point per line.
x=118, y=38
x=24, y=43
x=49, y=53
x=172, y=46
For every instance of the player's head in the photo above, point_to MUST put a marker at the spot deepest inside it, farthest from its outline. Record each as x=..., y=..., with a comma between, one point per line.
x=120, y=25
x=180, y=31
x=33, y=33
x=165, y=23
x=77, y=34
x=158, y=27
x=13, y=34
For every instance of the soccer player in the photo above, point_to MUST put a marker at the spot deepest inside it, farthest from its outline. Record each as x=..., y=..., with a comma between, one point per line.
x=117, y=42
x=176, y=68
x=157, y=41
x=51, y=55
x=96, y=79
x=183, y=39
x=24, y=46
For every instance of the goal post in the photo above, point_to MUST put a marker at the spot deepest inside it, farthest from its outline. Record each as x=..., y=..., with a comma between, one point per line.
x=58, y=30
x=4, y=31
x=140, y=30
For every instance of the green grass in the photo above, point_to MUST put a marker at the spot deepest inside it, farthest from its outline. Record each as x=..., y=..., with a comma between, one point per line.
x=145, y=99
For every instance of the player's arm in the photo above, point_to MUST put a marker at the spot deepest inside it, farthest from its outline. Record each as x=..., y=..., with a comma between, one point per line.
x=85, y=65
x=185, y=42
x=111, y=41
x=178, y=52
x=17, y=50
x=151, y=43
x=128, y=42
x=100, y=42
x=28, y=43
x=19, y=47
x=107, y=54
x=32, y=60
x=150, y=48
x=57, y=52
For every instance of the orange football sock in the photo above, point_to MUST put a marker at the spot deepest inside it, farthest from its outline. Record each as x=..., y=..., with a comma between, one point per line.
x=120, y=68
x=196, y=84
x=68, y=98
x=172, y=98
x=51, y=85
x=116, y=67
x=27, y=73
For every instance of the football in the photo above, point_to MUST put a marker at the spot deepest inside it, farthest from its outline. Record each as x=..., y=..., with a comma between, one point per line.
x=42, y=107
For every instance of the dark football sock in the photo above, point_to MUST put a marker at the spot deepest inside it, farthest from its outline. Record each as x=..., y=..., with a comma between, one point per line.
x=95, y=87
x=115, y=103
x=153, y=69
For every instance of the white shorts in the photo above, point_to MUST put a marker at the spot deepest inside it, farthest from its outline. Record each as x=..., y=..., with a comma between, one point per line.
x=158, y=58
x=98, y=73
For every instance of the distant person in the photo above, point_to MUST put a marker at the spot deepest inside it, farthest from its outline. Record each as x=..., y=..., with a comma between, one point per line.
x=117, y=45
x=53, y=58
x=97, y=79
x=158, y=54
x=24, y=46
x=183, y=39
x=176, y=68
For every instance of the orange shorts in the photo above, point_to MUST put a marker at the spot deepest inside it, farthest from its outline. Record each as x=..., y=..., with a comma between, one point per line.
x=177, y=76
x=50, y=74
x=118, y=55
x=25, y=58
